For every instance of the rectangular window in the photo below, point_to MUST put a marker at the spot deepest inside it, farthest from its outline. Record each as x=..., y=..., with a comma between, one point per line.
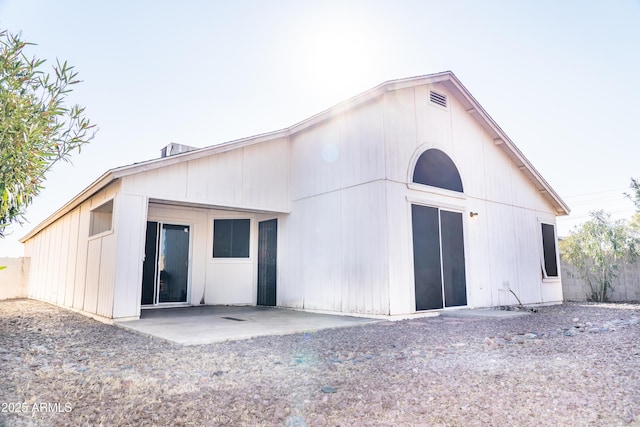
x=550, y=260
x=231, y=238
x=101, y=218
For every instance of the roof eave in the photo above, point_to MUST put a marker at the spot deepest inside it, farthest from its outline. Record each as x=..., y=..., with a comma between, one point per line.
x=106, y=179
x=501, y=139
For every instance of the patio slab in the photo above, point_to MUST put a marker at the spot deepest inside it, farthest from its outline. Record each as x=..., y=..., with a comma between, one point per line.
x=211, y=324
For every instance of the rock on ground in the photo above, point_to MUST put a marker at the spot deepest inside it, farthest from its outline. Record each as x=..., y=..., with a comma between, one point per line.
x=567, y=365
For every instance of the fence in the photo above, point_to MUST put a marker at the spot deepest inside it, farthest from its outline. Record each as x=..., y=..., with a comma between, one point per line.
x=13, y=278
x=626, y=287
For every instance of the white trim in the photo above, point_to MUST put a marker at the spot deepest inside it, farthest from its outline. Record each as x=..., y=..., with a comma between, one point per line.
x=436, y=190
x=545, y=277
x=252, y=233
x=440, y=208
x=435, y=204
x=112, y=226
x=176, y=222
x=422, y=148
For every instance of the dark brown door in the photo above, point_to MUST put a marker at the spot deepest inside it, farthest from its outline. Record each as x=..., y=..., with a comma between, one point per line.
x=149, y=272
x=267, y=261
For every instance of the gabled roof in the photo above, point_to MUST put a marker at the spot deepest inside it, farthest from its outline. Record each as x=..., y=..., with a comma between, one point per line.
x=446, y=78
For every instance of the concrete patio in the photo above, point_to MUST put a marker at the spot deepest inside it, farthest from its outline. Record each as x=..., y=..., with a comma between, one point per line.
x=210, y=324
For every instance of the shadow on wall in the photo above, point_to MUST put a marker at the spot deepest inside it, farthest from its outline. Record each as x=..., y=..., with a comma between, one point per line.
x=14, y=278
x=626, y=287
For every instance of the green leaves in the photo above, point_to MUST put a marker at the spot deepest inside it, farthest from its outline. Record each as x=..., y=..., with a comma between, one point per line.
x=596, y=249
x=37, y=127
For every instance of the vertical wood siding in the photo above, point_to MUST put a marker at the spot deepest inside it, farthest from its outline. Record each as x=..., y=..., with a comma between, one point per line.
x=347, y=243
x=71, y=269
x=94, y=249
x=333, y=256
x=131, y=224
x=256, y=177
x=502, y=243
x=72, y=257
x=345, y=151
x=81, y=267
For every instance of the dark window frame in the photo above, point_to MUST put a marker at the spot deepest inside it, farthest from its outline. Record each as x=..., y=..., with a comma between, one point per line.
x=231, y=238
x=436, y=169
x=549, y=261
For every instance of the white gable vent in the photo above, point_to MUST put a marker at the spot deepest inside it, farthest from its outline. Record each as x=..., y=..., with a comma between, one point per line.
x=438, y=98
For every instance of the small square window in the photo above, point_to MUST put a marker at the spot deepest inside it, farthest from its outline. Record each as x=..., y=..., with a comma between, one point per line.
x=101, y=218
x=550, y=258
x=231, y=238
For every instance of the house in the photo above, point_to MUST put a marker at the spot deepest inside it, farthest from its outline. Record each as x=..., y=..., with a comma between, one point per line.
x=407, y=197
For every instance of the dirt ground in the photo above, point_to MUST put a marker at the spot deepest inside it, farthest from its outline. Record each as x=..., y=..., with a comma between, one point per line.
x=568, y=365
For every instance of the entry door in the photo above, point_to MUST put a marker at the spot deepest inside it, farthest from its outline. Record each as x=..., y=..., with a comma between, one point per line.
x=438, y=258
x=267, y=249
x=165, y=273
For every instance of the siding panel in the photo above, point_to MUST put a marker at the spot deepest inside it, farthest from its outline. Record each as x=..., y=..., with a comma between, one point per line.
x=74, y=221
x=345, y=151
x=363, y=253
x=61, y=262
x=131, y=223
x=104, y=303
x=400, y=130
x=91, y=290
x=81, y=266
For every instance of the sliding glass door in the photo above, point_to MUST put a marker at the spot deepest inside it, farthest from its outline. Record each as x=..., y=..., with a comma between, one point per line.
x=165, y=274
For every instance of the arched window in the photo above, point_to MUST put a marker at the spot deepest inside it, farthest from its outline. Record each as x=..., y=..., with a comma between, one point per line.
x=436, y=169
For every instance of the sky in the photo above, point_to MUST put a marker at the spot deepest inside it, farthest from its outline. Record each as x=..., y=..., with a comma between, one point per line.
x=560, y=78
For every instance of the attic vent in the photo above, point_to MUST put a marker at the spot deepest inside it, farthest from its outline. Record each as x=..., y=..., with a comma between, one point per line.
x=438, y=99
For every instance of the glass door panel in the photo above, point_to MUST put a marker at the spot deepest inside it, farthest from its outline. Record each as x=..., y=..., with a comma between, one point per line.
x=165, y=271
x=173, y=263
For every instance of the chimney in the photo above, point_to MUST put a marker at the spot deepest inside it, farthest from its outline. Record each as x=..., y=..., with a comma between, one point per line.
x=173, y=149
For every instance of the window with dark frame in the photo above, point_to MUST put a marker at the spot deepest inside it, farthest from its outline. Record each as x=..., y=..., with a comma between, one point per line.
x=436, y=169
x=231, y=238
x=550, y=264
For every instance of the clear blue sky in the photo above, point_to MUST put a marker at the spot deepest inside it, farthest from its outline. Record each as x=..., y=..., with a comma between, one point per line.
x=560, y=78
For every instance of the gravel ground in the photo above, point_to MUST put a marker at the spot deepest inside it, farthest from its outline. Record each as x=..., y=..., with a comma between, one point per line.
x=568, y=365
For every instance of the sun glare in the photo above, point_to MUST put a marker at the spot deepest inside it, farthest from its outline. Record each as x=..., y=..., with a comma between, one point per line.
x=336, y=55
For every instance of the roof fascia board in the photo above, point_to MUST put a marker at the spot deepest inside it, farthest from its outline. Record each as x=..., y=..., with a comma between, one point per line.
x=106, y=179
x=508, y=145
x=218, y=206
x=368, y=96
x=197, y=154
x=337, y=109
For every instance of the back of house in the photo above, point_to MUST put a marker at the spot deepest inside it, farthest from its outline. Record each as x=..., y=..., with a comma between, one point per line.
x=405, y=198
